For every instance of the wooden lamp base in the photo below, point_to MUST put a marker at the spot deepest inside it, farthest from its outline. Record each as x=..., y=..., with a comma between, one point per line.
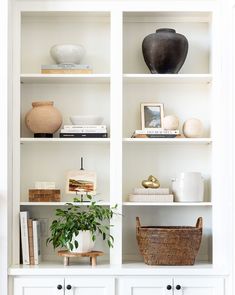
x=93, y=256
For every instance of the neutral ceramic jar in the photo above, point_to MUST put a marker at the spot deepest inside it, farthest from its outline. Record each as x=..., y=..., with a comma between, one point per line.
x=193, y=128
x=43, y=119
x=67, y=53
x=171, y=123
x=188, y=187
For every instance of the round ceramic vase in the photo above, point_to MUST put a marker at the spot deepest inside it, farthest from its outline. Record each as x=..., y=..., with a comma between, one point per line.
x=43, y=119
x=85, y=242
x=165, y=51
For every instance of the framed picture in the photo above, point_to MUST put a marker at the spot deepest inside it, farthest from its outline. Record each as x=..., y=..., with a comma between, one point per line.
x=81, y=182
x=152, y=115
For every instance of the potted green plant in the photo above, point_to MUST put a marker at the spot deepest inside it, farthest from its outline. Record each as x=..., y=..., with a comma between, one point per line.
x=76, y=228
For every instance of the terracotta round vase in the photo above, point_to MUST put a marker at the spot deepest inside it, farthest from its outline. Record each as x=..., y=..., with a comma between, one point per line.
x=165, y=51
x=43, y=119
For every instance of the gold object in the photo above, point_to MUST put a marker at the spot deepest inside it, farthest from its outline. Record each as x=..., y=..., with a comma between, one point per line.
x=151, y=182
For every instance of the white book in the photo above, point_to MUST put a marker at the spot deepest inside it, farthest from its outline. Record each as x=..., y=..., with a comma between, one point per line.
x=157, y=131
x=151, y=198
x=85, y=126
x=74, y=130
x=24, y=216
x=151, y=191
x=37, y=241
x=65, y=66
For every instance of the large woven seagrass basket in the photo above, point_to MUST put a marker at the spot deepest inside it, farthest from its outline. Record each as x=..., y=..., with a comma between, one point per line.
x=169, y=245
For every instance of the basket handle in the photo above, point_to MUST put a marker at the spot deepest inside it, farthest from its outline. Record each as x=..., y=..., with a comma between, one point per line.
x=138, y=225
x=199, y=223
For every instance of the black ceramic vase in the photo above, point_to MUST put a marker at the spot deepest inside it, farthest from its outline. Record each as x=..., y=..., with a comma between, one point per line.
x=165, y=51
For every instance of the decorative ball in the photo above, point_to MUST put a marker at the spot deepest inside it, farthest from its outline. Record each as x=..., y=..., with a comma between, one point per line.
x=170, y=122
x=193, y=128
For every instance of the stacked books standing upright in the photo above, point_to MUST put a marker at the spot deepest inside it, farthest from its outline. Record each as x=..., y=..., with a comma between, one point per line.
x=155, y=133
x=81, y=131
x=30, y=239
x=160, y=195
x=66, y=69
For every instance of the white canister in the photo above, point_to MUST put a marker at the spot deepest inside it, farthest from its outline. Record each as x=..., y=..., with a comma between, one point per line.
x=188, y=187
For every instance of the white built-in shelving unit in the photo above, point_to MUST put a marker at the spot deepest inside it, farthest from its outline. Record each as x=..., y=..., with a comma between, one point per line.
x=112, y=33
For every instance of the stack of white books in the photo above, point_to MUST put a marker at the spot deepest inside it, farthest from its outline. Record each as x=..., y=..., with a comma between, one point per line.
x=79, y=131
x=156, y=133
x=160, y=195
x=30, y=239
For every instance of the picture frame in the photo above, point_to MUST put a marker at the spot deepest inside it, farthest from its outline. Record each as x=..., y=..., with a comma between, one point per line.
x=81, y=182
x=152, y=115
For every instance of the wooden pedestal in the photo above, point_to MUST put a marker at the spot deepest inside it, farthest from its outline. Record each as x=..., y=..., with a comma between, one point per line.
x=93, y=256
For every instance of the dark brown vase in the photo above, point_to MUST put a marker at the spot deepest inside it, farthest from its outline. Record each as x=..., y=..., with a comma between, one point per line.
x=165, y=51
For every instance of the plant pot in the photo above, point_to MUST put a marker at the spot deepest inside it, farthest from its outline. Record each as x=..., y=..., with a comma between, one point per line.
x=43, y=119
x=85, y=242
x=165, y=51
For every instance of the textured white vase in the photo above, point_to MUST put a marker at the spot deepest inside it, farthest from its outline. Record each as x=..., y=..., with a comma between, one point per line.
x=67, y=53
x=85, y=243
x=188, y=187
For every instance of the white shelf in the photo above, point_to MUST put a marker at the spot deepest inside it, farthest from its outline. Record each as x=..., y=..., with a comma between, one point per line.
x=168, y=78
x=170, y=204
x=128, y=268
x=57, y=204
x=169, y=140
x=53, y=140
x=64, y=78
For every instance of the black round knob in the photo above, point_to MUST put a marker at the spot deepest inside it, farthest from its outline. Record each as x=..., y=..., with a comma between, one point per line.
x=69, y=287
x=168, y=287
x=59, y=287
x=178, y=287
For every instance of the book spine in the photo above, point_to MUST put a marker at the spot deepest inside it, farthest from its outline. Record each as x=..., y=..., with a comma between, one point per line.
x=65, y=67
x=36, y=241
x=151, y=198
x=154, y=136
x=85, y=135
x=156, y=131
x=31, y=248
x=84, y=126
x=74, y=130
x=67, y=71
x=24, y=236
x=151, y=191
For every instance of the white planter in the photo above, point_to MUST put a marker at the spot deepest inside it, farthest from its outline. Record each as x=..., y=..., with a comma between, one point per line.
x=188, y=187
x=85, y=243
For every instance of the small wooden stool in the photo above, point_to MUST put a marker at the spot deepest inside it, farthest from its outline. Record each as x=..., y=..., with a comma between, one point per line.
x=93, y=256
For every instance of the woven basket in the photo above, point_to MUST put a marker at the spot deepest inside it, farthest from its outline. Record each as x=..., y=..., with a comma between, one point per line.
x=169, y=245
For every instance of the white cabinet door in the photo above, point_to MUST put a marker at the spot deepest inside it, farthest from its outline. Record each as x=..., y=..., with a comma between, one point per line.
x=198, y=286
x=146, y=286
x=38, y=286
x=90, y=286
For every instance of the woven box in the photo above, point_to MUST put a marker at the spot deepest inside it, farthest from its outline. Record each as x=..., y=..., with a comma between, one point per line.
x=169, y=245
x=44, y=195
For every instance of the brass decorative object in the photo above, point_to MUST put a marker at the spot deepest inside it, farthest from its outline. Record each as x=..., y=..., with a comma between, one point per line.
x=151, y=182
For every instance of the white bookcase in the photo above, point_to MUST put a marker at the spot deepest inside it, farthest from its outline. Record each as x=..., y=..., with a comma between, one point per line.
x=112, y=33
